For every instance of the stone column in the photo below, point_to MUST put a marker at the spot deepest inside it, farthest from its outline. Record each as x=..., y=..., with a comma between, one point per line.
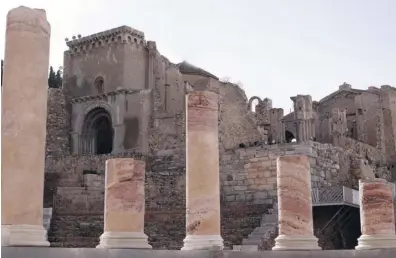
x=124, y=205
x=295, y=204
x=202, y=175
x=118, y=140
x=24, y=114
x=75, y=139
x=377, y=218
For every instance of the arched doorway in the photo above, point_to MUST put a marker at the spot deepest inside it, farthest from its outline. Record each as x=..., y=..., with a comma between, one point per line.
x=97, y=134
x=289, y=137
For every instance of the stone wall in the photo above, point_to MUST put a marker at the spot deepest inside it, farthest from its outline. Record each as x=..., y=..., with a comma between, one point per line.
x=58, y=139
x=249, y=174
x=236, y=126
x=79, y=199
x=248, y=188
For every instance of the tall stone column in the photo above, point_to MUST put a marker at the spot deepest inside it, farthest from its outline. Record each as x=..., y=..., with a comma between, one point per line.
x=295, y=204
x=124, y=205
x=377, y=218
x=24, y=114
x=202, y=176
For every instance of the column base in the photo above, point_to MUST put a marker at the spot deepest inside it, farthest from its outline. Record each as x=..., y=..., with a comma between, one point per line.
x=290, y=243
x=366, y=242
x=203, y=242
x=124, y=240
x=24, y=235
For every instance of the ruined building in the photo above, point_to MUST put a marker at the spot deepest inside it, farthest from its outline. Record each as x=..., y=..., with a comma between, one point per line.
x=121, y=98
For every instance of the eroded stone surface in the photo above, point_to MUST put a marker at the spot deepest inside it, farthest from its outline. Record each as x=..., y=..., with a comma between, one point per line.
x=376, y=207
x=24, y=111
x=203, y=183
x=124, y=204
x=294, y=194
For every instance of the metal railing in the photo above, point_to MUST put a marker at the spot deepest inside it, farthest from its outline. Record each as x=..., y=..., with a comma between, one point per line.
x=335, y=195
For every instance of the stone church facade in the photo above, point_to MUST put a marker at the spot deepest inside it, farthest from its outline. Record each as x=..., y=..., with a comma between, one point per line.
x=121, y=98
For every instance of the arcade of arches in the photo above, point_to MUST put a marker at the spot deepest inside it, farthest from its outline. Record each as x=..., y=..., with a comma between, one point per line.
x=97, y=134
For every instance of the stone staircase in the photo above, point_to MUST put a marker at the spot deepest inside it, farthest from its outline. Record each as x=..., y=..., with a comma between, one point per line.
x=77, y=210
x=262, y=237
x=75, y=230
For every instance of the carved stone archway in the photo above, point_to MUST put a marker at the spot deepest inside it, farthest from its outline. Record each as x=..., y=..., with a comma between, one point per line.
x=97, y=132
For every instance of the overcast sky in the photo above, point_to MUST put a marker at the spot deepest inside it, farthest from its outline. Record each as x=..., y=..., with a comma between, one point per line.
x=276, y=48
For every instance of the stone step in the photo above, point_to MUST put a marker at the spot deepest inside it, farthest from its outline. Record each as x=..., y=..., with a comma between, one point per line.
x=264, y=228
x=252, y=242
x=269, y=218
x=245, y=248
x=73, y=241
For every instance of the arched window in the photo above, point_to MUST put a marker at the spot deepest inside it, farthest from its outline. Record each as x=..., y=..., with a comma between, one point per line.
x=99, y=85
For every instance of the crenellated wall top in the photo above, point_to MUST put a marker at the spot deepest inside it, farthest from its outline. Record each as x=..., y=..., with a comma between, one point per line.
x=123, y=35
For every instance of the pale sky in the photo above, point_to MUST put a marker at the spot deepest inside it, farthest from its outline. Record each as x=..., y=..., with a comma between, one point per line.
x=276, y=48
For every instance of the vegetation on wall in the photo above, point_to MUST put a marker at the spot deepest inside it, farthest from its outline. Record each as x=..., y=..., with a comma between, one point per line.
x=54, y=79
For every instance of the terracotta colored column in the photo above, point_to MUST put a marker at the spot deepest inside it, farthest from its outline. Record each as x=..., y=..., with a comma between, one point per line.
x=295, y=204
x=377, y=218
x=24, y=114
x=124, y=205
x=202, y=176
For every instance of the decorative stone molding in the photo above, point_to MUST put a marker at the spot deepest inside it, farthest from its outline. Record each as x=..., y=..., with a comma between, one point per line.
x=24, y=235
x=120, y=35
x=111, y=93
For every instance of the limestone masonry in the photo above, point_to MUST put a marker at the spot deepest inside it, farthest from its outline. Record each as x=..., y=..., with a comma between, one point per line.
x=122, y=99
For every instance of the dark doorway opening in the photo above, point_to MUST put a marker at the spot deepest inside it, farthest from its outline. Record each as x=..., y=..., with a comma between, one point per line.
x=289, y=137
x=103, y=136
x=98, y=133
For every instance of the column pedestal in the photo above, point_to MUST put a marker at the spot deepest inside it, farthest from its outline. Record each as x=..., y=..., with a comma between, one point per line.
x=203, y=242
x=124, y=240
x=366, y=242
x=23, y=235
x=377, y=217
x=289, y=243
